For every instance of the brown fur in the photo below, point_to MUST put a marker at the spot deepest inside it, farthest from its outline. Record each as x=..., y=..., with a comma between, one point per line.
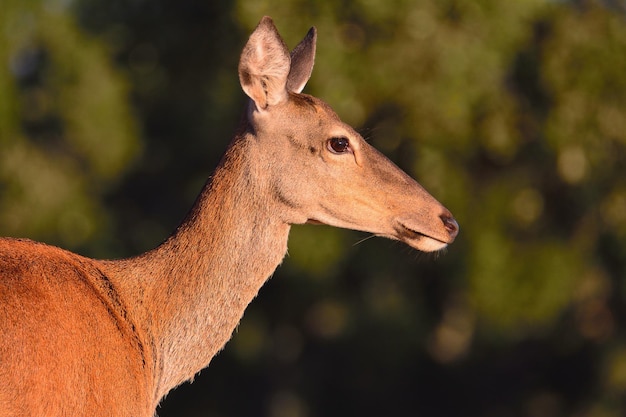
x=85, y=337
x=67, y=342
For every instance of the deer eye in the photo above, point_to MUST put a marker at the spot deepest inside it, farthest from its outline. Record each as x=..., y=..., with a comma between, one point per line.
x=338, y=145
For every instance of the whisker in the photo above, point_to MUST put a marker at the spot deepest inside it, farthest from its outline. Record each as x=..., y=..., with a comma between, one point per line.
x=363, y=240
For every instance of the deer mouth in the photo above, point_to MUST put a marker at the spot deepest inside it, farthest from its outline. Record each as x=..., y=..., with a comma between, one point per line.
x=419, y=240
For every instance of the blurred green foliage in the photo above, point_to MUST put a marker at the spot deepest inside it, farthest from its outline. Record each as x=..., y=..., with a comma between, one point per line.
x=66, y=131
x=513, y=114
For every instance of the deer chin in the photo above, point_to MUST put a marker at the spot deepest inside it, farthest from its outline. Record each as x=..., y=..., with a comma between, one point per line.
x=415, y=239
x=418, y=240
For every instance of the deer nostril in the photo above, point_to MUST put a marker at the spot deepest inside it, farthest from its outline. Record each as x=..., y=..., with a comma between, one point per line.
x=451, y=225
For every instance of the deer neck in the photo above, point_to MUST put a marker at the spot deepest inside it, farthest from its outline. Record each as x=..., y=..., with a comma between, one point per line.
x=197, y=284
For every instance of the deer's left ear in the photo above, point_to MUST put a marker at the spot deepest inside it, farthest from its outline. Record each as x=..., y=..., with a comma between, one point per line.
x=302, y=60
x=264, y=66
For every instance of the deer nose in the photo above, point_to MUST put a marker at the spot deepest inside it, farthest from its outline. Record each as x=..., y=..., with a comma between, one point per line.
x=451, y=226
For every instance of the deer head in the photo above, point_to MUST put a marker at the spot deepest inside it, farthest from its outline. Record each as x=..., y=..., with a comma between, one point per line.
x=320, y=169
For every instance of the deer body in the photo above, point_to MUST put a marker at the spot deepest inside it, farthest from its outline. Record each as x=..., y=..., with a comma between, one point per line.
x=112, y=337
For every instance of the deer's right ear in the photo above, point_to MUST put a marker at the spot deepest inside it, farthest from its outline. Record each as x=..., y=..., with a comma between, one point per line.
x=302, y=60
x=264, y=66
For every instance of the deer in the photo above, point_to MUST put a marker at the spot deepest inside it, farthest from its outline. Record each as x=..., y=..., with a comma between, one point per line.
x=88, y=337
